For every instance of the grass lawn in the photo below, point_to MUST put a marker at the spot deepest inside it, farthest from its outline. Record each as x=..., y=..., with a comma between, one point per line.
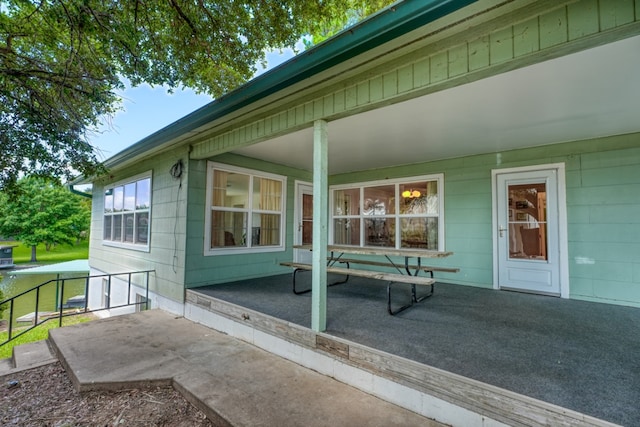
x=39, y=333
x=60, y=253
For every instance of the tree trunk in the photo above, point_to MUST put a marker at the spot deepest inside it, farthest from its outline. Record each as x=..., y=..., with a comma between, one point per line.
x=33, y=253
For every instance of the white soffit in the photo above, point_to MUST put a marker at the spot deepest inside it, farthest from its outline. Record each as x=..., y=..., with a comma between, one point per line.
x=585, y=95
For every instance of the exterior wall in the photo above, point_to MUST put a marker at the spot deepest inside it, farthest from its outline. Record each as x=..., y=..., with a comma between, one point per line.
x=205, y=270
x=602, y=204
x=121, y=293
x=168, y=219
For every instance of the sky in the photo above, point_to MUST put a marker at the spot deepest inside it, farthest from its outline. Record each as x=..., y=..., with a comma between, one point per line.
x=146, y=110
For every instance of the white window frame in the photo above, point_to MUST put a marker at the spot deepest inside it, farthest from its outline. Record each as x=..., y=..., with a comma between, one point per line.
x=208, y=250
x=122, y=244
x=439, y=178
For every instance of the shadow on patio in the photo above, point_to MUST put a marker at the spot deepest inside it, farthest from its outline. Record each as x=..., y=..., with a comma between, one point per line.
x=579, y=355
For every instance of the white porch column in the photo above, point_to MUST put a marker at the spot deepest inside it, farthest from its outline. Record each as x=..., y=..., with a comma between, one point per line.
x=320, y=226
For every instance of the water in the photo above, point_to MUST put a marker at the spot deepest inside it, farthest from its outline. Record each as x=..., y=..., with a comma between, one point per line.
x=13, y=285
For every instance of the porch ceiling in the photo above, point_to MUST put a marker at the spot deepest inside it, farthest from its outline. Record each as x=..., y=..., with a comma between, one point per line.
x=589, y=94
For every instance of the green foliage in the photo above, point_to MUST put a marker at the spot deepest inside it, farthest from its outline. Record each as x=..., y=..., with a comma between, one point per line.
x=61, y=62
x=43, y=213
x=346, y=14
x=58, y=253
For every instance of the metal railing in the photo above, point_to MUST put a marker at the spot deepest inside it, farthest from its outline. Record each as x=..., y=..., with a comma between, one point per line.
x=61, y=312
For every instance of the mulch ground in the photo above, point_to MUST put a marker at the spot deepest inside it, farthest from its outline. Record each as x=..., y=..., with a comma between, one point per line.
x=45, y=396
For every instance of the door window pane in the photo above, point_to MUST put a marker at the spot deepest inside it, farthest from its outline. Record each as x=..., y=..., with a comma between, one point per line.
x=307, y=219
x=528, y=221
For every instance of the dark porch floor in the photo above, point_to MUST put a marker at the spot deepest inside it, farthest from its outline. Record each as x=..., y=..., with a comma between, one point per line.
x=579, y=355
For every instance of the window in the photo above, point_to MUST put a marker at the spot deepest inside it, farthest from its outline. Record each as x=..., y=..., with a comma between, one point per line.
x=245, y=210
x=405, y=213
x=127, y=208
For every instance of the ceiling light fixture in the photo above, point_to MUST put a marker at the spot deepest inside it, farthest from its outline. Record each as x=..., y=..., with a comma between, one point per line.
x=411, y=194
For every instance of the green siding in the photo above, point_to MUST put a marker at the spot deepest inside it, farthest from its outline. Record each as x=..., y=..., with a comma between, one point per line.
x=526, y=37
x=614, y=13
x=602, y=204
x=204, y=270
x=501, y=49
x=168, y=215
x=479, y=53
x=553, y=28
x=583, y=19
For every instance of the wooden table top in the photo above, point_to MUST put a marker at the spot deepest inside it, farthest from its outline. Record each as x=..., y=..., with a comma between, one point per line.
x=358, y=250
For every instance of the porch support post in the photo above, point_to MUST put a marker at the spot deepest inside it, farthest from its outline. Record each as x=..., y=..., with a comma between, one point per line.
x=320, y=226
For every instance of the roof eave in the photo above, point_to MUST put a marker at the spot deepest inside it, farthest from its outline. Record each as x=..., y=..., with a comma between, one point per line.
x=382, y=27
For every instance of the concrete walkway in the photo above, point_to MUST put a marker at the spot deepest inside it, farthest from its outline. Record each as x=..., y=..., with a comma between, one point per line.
x=233, y=382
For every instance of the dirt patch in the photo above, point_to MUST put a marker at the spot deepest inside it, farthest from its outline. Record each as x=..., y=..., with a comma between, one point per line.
x=45, y=397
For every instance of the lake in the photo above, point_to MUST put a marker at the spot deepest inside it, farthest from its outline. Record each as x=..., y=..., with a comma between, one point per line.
x=12, y=285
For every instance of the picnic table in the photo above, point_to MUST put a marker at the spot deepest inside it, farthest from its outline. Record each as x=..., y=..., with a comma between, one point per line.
x=406, y=271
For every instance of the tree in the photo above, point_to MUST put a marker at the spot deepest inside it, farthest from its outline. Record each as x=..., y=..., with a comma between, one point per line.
x=327, y=25
x=62, y=60
x=43, y=212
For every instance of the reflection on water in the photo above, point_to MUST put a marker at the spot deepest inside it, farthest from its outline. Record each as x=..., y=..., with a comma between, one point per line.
x=49, y=295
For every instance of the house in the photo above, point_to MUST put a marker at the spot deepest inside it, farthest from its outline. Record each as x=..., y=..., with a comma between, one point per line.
x=514, y=123
x=6, y=256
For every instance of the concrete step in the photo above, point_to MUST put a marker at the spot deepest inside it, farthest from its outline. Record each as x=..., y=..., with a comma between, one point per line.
x=6, y=366
x=27, y=356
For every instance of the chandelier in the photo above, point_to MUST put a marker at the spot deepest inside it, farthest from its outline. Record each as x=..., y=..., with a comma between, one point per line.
x=411, y=194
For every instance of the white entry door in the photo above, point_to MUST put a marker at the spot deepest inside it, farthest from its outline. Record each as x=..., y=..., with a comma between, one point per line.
x=528, y=237
x=303, y=228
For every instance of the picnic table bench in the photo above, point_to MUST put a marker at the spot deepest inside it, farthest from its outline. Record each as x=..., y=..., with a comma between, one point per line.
x=406, y=273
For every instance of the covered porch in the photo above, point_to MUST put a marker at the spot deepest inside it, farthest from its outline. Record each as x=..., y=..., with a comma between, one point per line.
x=508, y=351
x=535, y=118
